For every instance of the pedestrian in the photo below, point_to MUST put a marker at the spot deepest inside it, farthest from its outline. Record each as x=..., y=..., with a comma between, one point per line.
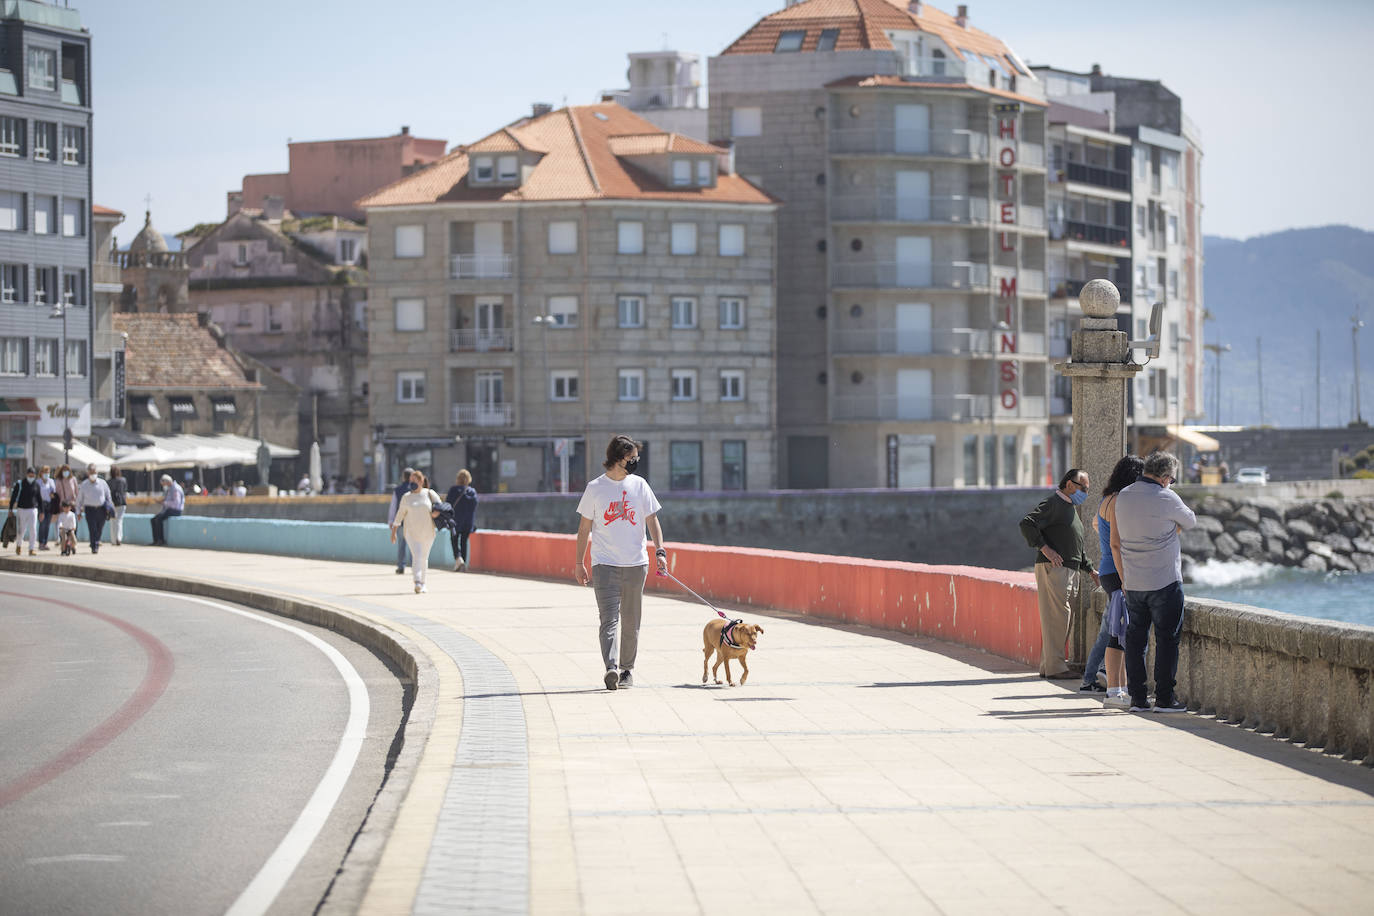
x=617, y=510
x=119, y=498
x=415, y=516
x=401, y=489
x=64, y=487
x=47, y=504
x=1055, y=531
x=1148, y=519
x=173, y=501
x=1108, y=648
x=1225, y=470
x=94, y=497
x=25, y=497
x=66, y=529
x=463, y=498
x=239, y=489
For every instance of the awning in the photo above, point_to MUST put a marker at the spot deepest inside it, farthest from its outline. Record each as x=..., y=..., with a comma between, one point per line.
x=143, y=407
x=224, y=407
x=200, y=451
x=20, y=408
x=183, y=407
x=79, y=455
x=1198, y=440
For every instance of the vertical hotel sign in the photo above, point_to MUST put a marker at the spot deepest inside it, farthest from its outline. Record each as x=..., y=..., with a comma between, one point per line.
x=1008, y=116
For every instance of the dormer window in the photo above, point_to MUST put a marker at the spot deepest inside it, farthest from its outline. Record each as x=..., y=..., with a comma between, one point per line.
x=482, y=169
x=508, y=168
x=682, y=171
x=704, y=172
x=789, y=41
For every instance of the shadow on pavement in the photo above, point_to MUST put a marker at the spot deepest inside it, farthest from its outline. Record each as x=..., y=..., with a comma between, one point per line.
x=969, y=682
x=1016, y=714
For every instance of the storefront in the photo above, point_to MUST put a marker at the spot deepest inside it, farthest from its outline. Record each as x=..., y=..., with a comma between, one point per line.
x=18, y=416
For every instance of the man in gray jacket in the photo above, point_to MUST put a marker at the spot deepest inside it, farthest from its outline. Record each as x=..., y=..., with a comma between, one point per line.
x=1149, y=517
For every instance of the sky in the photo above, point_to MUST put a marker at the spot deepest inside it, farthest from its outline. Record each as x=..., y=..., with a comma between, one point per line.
x=190, y=96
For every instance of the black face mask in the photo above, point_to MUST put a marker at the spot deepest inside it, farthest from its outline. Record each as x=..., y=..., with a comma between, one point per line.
x=631, y=465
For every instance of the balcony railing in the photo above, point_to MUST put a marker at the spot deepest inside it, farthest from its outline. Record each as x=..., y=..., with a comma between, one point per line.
x=1077, y=231
x=481, y=341
x=950, y=342
x=1062, y=288
x=878, y=408
x=107, y=342
x=1098, y=176
x=479, y=266
x=911, y=275
x=947, y=67
x=944, y=144
x=489, y=415
x=106, y=272
x=964, y=210
x=1031, y=281
x=1028, y=407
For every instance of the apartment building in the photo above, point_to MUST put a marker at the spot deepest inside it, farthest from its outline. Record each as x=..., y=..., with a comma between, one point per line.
x=577, y=274
x=909, y=149
x=46, y=336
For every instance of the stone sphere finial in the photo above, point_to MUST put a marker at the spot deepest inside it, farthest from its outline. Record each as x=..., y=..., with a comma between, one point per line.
x=1099, y=299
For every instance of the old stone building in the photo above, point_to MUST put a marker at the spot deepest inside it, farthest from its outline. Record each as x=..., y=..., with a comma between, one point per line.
x=154, y=276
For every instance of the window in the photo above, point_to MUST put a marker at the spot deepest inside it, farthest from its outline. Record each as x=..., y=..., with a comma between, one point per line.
x=1140, y=220
x=11, y=210
x=410, y=314
x=44, y=140
x=507, y=168
x=1173, y=284
x=45, y=357
x=74, y=287
x=11, y=136
x=630, y=311
x=1173, y=335
x=73, y=217
x=1168, y=160
x=44, y=214
x=42, y=68
x=241, y=255
x=410, y=387
x=684, y=466
x=684, y=384
x=76, y=358
x=12, y=277
x=746, y=122
x=274, y=319
x=732, y=475
x=45, y=285
x=245, y=317
x=630, y=384
x=704, y=172
x=481, y=169
x=971, y=461
x=684, y=238
x=410, y=241
x=827, y=42
x=731, y=313
x=73, y=145
x=684, y=311
x=682, y=171
x=1173, y=229
x=630, y=237
x=732, y=384
x=790, y=40
x=1009, y=460
x=563, y=237
x=1142, y=162
x=564, y=311
x=348, y=251
x=563, y=385
x=14, y=356
x=732, y=240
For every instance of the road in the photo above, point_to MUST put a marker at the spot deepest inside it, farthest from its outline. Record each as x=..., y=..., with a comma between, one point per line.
x=167, y=754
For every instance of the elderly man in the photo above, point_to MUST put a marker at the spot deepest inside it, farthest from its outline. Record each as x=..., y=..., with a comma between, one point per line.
x=1055, y=531
x=93, y=495
x=173, y=501
x=1149, y=517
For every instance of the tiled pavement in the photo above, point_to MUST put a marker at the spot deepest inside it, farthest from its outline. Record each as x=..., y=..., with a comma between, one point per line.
x=858, y=772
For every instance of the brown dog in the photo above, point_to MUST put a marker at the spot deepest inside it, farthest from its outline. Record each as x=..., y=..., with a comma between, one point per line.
x=728, y=639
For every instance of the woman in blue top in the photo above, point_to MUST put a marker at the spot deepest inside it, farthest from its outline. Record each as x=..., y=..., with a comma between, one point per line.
x=1109, y=646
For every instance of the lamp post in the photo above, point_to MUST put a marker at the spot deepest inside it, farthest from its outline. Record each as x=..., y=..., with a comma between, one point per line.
x=1218, y=349
x=1178, y=372
x=1355, y=325
x=59, y=310
x=545, y=322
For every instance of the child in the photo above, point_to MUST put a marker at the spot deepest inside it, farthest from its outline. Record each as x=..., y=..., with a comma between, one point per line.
x=66, y=529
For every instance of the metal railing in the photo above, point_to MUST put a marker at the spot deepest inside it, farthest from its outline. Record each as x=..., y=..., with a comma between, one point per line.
x=492, y=415
x=479, y=266
x=949, y=342
x=926, y=65
x=911, y=275
x=953, y=209
x=481, y=340
x=1078, y=231
x=1099, y=176
x=946, y=144
x=878, y=408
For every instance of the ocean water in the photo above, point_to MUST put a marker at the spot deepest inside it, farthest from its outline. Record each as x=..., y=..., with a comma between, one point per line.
x=1343, y=596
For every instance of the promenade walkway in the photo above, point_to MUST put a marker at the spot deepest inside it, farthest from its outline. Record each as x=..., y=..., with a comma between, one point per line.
x=858, y=772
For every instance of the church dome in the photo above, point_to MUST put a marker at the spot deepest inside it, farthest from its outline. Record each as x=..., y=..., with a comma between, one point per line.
x=148, y=238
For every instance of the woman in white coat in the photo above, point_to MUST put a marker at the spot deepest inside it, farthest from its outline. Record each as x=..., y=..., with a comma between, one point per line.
x=415, y=515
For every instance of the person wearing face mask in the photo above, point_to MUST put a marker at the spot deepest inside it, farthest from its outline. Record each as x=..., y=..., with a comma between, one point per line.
x=415, y=516
x=173, y=501
x=64, y=488
x=24, y=501
x=47, y=489
x=617, y=510
x=1055, y=531
x=94, y=496
x=119, y=496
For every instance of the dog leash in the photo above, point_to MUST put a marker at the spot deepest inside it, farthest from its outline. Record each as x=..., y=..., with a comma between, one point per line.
x=663, y=573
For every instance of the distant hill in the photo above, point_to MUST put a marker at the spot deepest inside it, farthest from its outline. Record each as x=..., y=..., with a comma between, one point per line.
x=1283, y=289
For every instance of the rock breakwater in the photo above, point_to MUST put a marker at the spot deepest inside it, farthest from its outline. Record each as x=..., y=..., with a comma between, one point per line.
x=1316, y=534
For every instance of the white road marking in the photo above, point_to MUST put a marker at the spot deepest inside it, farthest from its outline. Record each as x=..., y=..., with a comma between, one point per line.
x=258, y=896
x=75, y=857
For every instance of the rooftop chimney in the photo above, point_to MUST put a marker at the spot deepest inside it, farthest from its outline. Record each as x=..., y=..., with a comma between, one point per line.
x=539, y=109
x=405, y=129
x=962, y=18
x=273, y=206
x=1097, y=70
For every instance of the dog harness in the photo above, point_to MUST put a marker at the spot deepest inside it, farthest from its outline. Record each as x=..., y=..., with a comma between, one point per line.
x=727, y=637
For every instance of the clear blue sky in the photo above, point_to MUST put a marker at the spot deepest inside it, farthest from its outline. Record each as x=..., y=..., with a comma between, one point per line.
x=191, y=96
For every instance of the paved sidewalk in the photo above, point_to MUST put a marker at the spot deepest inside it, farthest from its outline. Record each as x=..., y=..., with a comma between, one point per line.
x=858, y=772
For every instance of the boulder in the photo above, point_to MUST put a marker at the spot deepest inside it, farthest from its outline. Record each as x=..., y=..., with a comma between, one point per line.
x=1269, y=508
x=1210, y=524
x=1275, y=551
x=1320, y=549
x=1217, y=506
x=1251, y=544
x=1364, y=562
x=1248, y=515
x=1300, y=530
x=1314, y=563
x=1272, y=528
x=1294, y=555
x=1336, y=509
x=1339, y=563
x=1339, y=543
x=1352, y=529
x=1363, y=545
x=1228, y=547
x=1197, y=543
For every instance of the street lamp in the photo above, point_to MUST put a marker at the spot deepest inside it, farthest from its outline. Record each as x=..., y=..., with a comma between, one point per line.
x=59, y=310
x=545, y=322
x=1218, y=349
x=1356, y=324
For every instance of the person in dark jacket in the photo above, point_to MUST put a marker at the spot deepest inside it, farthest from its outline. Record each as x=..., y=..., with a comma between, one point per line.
x=463, y=498
x=119, y=496
x=1055, y=531
x=401, y=489
x=25, y=500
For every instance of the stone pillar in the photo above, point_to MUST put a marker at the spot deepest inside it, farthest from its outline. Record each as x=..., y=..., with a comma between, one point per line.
x=1101, y=369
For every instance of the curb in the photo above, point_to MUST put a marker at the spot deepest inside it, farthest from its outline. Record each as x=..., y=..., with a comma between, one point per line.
x=360, y=862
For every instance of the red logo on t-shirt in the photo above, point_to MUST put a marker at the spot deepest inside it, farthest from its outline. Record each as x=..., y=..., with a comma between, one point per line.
x=617, y=510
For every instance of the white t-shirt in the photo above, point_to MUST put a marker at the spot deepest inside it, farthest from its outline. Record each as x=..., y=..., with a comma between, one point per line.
x=66, y=521
x=618, y=510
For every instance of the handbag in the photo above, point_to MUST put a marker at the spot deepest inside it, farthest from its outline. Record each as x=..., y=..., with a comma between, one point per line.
x=9, y=532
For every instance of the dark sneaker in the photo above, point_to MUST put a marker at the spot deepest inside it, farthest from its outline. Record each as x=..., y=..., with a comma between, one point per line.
x=1092, y=688
x=612, y=679
x=627, y=680
x=1175, y=706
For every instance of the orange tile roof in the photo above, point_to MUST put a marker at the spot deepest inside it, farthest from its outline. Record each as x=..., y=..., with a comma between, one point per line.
x=505, y=140
x=907, y=82
x=174, y=351
x=105, y=211
x=583, y=148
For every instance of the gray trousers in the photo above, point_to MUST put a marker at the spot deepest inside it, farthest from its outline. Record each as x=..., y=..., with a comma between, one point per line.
x=619, y=597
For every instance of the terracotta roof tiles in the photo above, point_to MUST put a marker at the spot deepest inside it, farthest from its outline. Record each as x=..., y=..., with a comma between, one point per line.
x=907, y=82
x=174, y=351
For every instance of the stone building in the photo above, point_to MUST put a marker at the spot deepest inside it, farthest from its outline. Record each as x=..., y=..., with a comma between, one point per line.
x=908, y=147
x=154, y=277
x=577, y=274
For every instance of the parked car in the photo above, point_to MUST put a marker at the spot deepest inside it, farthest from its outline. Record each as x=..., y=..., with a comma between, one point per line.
x=1258, y=476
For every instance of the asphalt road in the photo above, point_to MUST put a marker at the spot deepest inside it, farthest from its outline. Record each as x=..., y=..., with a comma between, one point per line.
x=166, y=754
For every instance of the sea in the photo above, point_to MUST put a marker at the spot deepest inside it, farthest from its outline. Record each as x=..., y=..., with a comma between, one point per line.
x=1344, y=596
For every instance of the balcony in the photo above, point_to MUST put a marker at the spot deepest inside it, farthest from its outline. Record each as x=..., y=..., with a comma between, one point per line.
x=1029, y=217
x=961, y=275
x=1031, y=155
x=481, y=341
x=1099, y=177
x=107, y=342
x=1074, y=230
x=889, y=141
x=950, y=342
x=1028, y=407
x=479, y=266
x=1061, y=288
x=106, y=273
x=961, y=210
x=484, y=415
x=874, y=408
